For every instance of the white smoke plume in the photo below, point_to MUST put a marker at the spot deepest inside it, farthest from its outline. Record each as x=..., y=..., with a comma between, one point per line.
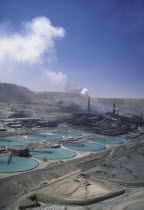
x=84, y=91
x=74, y=88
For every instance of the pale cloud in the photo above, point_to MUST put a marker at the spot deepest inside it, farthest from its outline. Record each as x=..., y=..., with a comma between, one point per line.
x=73, y=88
x=25, y=54
x=36, y=38
x=59, y=79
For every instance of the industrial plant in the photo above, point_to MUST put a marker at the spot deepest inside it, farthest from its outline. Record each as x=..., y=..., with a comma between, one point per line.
x=70, y=152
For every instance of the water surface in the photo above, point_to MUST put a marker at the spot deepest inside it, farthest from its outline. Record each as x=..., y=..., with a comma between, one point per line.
x=68, y=133
x=52, y=153
x=106, y=140
x=84, y=146
x=14, y=141
x=17, y=164
x=47, y=137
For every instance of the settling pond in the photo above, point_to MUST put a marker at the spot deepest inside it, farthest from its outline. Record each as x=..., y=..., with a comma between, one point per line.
x=46, y=137
x=84, y=146
x=14, y=141
x=68, y=133
x=52, y=153
x=17, y=164
x=106, y=140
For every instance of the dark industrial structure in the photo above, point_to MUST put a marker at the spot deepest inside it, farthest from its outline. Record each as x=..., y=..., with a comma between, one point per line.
x=110, y=123
x=21, y=152
x=114, y=110
x=88, y=104
x=29, y=123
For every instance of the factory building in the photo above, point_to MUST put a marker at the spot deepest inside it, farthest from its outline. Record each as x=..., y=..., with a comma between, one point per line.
x=20, y=151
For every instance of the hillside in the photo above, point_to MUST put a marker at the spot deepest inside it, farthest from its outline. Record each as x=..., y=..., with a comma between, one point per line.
x=14, y=93
x=51, y=102
x=125, y=105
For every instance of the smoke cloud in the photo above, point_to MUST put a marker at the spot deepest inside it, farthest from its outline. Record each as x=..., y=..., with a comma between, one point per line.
x=74, y=88
x=36, y=38
x=25, y=54
x=84, y=91
x=57, y=79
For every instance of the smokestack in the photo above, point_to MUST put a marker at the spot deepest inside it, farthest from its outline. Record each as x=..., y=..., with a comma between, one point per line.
x=88, y=104
x=114, y=110
x=142, y=117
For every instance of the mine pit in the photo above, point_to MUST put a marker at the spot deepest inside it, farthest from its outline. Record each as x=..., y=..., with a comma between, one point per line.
x=78, y=190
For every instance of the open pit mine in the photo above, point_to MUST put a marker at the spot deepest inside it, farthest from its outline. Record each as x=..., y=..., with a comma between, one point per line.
x=65, y=151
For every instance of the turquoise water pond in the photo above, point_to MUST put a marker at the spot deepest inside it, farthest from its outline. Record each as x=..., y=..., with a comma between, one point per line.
x=44, y=137
x=106, y=140
x=51, y=153
x=84, y=146
x=17, y=164
x=68, y=133
x=14, y=141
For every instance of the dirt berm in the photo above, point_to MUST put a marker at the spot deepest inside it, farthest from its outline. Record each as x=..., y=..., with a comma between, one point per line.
x=80, y=202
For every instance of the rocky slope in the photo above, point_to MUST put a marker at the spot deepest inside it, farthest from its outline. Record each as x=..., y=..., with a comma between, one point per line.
x=14, y=93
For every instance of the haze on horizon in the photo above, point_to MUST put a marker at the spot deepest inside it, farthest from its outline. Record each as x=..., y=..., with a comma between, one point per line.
x=68, y=45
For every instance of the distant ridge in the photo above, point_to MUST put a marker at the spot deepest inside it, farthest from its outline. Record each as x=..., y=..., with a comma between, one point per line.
x=10, y=93
x=14, y=93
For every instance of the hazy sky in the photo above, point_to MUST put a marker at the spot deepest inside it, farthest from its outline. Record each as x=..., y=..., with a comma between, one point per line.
x=55, y=45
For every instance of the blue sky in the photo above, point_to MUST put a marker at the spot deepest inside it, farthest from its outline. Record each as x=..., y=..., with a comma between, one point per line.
x=101, y=47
